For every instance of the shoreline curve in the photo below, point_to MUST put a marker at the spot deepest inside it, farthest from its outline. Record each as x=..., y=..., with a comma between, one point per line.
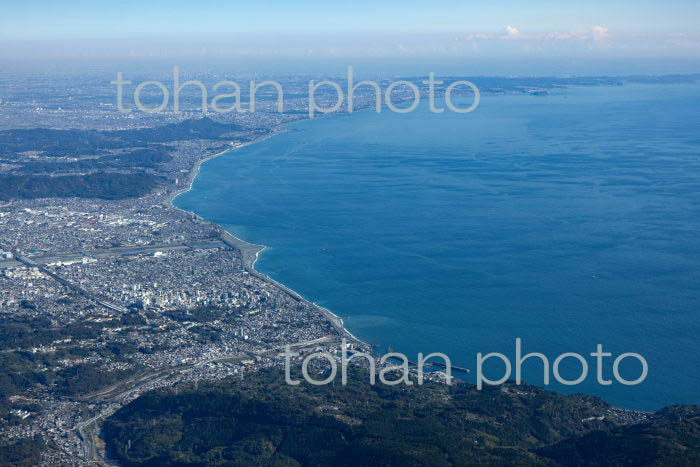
x=250, y=251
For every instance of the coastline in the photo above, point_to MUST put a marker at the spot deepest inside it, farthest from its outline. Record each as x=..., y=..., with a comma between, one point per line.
x=250, y=251
x=198, y=165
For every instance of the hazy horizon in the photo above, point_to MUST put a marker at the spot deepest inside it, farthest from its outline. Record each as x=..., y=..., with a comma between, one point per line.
x=593, y=32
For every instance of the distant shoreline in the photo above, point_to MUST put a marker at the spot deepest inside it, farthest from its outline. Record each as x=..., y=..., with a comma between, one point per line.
x=250, y=251
x=198, y=165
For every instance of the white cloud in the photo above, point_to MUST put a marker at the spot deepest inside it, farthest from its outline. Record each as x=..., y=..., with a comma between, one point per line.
x=596, y=33
x=513, y=33
x=599, y=33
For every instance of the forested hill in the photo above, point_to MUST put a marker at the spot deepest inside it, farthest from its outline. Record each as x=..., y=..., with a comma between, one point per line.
x=114, y=164
x=262, y=421
x=73, y=143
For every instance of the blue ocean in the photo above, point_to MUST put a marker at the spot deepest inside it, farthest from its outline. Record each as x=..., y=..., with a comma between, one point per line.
x=566, y=220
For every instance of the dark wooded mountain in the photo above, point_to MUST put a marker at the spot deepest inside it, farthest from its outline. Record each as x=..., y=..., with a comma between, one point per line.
x=262, y=421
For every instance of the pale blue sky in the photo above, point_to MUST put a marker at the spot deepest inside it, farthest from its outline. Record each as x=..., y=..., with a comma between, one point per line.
x=95, y=19
x=645, y=28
